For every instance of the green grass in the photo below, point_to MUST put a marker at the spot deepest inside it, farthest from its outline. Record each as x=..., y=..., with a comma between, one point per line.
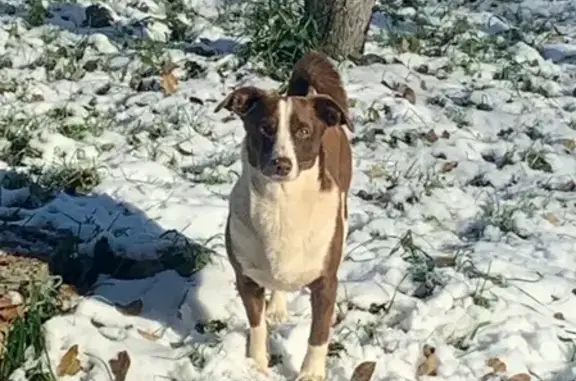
x=26, y=336
x=279, y=33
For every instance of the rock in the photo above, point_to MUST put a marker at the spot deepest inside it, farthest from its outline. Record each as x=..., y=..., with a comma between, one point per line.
x=423, y=69
x=193, y=70
x=96, y=16
x=145, y=84
x=91, y=65
x=103, y=90
x=369, y=59
x=484, y=107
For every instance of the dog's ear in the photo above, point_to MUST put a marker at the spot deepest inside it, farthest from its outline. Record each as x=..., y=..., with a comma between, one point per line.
x=241, y=100
x=330, y=112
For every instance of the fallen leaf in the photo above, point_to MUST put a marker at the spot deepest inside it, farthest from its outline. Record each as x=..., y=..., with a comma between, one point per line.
x=445, y=261
x=11, y=313
x=569, y=144
x=448, y=166
x=152, y=336
x=364, y=371
x=11, y=298
x=559, y=316
x=5, y=301
x=428, y=367
x=430, y=136
x=69, y=363
x=497, y=365
x=520, y=377
x=409, y=95
x=133, y=308
x=550, y=217
x=120, y=365
x=168, y=81
x=67, y=291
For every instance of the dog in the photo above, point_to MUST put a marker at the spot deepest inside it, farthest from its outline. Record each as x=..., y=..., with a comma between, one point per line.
x=288, y=218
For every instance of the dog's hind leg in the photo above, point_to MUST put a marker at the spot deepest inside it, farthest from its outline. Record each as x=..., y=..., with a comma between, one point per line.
x=276, y=310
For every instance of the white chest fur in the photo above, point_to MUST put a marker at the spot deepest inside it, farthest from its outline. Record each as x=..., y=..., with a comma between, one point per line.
x=281, y=234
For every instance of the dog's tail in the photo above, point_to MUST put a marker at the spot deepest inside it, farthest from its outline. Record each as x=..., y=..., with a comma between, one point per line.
x=315, y=74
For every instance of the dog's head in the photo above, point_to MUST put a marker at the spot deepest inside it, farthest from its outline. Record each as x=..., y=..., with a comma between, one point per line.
x=283, y=133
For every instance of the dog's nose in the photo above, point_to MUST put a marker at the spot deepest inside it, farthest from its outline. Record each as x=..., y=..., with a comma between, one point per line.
x=283, y=165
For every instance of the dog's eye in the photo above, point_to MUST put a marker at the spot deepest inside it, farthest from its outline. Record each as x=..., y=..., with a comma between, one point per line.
x=303, y=133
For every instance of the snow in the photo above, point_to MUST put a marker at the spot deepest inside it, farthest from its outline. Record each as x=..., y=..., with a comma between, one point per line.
x=504, y=216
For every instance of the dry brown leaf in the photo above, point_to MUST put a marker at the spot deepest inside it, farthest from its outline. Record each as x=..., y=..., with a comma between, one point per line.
x=12, y=312
x=69, y=363
x=569, y=144
x=550, y=217
x=409, y=95
x=5, y=301
x=152, y=336
x=445, y=261
x=520, y=377
x=133, y=308
x=120, y=365
x=448, y=166
x=428, y=367
x=364, y=371
x=497, y=365
x=168, y=81
x=430, y=136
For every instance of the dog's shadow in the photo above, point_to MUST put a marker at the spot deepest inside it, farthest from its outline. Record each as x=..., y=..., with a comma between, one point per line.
x=106, y=250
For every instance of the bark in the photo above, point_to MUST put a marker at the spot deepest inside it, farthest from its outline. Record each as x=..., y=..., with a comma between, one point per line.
x=343, y=25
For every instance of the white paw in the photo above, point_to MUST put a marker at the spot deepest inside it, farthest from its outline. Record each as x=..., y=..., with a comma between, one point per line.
x=314, y=364
x=261, y=365
x=276, y=310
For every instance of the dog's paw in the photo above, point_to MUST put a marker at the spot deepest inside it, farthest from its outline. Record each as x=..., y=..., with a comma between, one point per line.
x=260, y=365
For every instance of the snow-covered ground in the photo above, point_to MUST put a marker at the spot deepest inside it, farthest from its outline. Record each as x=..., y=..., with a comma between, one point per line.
x=463, y=207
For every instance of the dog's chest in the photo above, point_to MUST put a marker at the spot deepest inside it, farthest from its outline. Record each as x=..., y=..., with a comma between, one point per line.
x=288, y=238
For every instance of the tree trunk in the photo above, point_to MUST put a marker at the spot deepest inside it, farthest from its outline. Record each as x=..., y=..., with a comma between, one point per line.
x=343, y=25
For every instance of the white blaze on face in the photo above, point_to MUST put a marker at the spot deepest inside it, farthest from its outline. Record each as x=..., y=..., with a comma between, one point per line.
x=284, y=145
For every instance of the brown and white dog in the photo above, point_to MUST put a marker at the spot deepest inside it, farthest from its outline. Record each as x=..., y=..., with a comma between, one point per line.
x=287, y=222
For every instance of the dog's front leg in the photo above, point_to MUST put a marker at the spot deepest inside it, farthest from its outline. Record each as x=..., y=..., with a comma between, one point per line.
x=253, y=298
x=323, y=300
